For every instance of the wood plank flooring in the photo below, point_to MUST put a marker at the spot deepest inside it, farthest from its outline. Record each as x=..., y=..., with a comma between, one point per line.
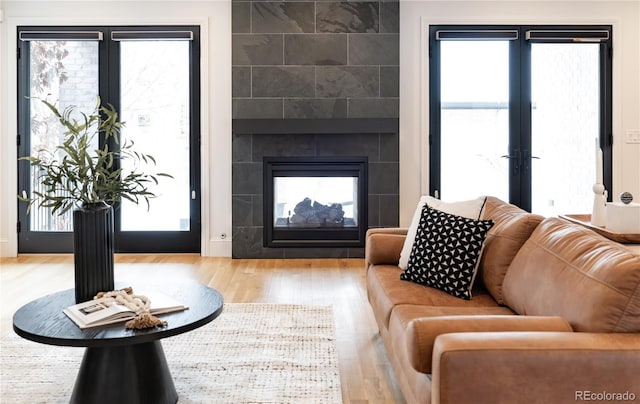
x=365, y=372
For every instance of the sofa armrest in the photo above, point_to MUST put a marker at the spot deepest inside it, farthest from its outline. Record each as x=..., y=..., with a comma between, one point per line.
x=535, y=367
x=401, y=231
x=422, y=332
x=383, y=245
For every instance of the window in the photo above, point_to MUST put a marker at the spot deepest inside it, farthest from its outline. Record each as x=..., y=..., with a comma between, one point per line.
x=519, y=112
x=151, y=76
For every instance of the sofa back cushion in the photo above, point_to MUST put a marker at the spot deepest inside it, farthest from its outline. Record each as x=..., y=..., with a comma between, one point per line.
x=512, y=227
x=567, y=270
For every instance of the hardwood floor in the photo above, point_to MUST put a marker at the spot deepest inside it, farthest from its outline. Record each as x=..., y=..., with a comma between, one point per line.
x=365, y=372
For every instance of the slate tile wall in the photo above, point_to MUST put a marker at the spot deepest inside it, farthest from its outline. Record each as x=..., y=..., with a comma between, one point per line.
x=315, y=59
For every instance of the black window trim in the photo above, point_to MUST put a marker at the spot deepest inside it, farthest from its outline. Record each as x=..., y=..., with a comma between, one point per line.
x=476, y=34
x=567, y=35
x=149, y=35
x=53, y=35
x=109, y=80
x=520, y=97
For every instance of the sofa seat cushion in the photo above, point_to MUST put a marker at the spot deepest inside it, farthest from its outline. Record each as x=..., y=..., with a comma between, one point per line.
x=386, y=290
x=567, y=270
x=512, y=227
x=419, y=333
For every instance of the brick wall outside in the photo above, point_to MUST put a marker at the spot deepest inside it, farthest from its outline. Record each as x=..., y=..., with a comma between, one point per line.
x=81, y=67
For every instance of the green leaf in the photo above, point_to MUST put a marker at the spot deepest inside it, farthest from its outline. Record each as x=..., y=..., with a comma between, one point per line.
x=84, y=173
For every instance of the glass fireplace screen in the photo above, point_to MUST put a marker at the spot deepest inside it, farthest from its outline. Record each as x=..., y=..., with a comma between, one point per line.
x=315, y=202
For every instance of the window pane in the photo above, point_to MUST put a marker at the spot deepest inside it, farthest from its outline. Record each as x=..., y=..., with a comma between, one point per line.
x=474, y=119
x=565, y=126
x=155, y=107
x=64, y=72
x=315, y=202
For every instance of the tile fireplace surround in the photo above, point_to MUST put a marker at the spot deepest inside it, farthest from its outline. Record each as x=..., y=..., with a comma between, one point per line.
x=313, y=78
x=253, y=139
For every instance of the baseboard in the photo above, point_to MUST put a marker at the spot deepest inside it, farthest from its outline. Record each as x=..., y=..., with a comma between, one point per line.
x=7, y=249
x=218, y=248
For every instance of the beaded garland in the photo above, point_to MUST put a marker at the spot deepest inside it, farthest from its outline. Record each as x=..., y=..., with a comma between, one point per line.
x=139, y=304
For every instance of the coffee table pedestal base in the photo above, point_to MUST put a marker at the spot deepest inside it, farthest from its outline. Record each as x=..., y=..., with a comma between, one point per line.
x=134, y=374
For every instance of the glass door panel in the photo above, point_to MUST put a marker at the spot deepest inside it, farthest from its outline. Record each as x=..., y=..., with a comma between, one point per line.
x=565, y=123
x=151, y=75
x=474, y=119
x=64, y=72
x=155, y=106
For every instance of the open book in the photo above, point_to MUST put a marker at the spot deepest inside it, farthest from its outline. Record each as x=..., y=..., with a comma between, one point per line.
x=106, y=310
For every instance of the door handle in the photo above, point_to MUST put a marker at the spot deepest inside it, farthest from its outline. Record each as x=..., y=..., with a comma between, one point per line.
x=528, y=158
x=517, y=156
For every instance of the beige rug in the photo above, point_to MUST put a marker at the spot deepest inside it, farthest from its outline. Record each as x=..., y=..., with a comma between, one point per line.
x=252, y=353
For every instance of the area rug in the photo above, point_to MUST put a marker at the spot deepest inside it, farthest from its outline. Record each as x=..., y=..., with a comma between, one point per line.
x=252, y=353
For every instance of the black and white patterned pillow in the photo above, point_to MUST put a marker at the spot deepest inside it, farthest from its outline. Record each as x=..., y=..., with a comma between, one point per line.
x=446, y=252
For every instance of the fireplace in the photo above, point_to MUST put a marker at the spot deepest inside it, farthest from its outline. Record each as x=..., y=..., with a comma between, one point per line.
x=324, y=140
x=315, y=201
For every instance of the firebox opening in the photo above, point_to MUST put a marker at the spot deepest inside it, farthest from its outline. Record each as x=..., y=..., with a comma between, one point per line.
x=315, y=201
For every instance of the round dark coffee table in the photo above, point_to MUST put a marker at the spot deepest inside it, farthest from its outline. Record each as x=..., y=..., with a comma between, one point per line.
x=119, y=365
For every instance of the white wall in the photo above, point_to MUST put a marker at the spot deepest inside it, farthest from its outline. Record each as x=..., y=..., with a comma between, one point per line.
x=416, y=16
x=214, y=18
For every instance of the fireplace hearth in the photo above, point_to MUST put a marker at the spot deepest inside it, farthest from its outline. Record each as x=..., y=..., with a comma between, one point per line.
x=315, y=201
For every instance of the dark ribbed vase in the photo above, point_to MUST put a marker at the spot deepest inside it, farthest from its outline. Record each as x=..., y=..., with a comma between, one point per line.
x=93, y=250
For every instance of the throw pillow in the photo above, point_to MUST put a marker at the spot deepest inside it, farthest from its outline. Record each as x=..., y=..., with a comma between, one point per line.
x=446, y=252
x=471, y=209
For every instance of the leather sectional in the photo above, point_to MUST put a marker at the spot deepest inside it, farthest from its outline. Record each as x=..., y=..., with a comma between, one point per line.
x=554, y=317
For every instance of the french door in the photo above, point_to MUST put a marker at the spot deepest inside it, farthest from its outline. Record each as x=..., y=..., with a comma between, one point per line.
x=522, y=113
x=151, y=75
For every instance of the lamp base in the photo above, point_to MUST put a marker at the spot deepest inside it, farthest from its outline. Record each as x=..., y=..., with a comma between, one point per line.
x=599, y=214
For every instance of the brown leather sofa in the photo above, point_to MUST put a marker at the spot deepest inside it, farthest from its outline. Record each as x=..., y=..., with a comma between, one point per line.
x=554, y=317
